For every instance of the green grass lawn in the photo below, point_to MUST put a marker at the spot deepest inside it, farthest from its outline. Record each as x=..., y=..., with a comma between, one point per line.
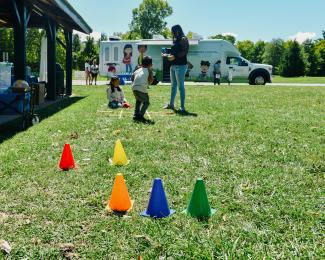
x=260, y=150
x=304, y=80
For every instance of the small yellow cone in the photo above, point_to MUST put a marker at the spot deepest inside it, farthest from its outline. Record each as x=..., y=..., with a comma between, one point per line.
x=119, y=158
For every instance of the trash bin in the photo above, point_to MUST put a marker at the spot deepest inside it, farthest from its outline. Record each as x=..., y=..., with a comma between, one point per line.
x=39, y=90
x=59, y=80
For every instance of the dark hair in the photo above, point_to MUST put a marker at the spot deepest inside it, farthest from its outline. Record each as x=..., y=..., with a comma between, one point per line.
x=205, y=63
x=177, y=32
x=147, y=61
x=142, y=45
x=112, y=86
x=126, y=47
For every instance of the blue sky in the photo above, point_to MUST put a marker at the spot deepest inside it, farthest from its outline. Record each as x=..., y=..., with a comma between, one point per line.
x=247, y=19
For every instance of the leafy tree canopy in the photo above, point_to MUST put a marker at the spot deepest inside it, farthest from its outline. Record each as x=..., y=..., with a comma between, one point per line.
x=149, y=18
x=292, y=62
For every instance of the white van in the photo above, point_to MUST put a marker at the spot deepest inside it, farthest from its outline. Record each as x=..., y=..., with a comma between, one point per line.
x=120, y=56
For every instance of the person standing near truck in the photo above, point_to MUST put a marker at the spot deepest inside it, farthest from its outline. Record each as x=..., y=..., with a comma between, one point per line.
x=217, y=72
x=87, y=71
x=178, y=59
x=230, y=75
x=94, y=70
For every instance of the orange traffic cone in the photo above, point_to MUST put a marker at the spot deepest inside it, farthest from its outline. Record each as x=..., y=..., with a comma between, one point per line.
x=67, y=161
x=119, y=158
x=119, y=200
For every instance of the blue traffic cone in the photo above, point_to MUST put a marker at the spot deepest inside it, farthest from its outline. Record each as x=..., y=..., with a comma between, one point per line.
x=158, y=205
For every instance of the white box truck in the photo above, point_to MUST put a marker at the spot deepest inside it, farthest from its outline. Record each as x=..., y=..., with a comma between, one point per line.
x=122, y=57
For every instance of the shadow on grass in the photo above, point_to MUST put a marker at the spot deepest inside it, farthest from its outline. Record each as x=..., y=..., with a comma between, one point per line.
x=185, y=113
x=119, y=214
x=12, y=128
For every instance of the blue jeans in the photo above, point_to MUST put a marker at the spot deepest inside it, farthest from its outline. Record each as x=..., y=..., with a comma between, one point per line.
x=128, y=68
x=114, y=104
x=177, y=77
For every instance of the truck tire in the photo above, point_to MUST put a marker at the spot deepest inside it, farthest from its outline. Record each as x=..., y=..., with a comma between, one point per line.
x=259, y=77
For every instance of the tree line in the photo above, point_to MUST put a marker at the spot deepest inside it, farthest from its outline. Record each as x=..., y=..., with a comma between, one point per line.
x=288, y=58
x=81, y=50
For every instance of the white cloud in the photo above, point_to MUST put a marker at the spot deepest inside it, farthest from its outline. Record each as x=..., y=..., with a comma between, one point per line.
x=95, y=35
x=229, y=33
x=302, y=36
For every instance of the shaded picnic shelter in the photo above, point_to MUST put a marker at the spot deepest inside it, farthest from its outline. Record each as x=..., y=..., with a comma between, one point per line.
x=49, y=15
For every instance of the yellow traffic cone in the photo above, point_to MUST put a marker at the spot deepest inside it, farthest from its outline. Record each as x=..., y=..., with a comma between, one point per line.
x=119, y=158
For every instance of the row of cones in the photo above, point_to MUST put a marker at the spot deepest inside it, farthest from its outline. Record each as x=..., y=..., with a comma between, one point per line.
x=120, y=201
x=198, y=207
x=67, y=161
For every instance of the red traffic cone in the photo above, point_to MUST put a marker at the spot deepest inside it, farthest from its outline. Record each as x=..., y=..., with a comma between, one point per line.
x=67, y=161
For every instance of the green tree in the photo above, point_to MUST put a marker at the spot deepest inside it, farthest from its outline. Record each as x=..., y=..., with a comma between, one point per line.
x=76, y=43
x=149, y=18
x=194, y=35
x=76, y=51
x=60, y=50
x=229, y=38
x=258, y=52
x=320, y=51
x=292, y=62
x=6, y=42
x=103, y=37
x=89, y=52
x=189, y=35
x=312, y=59
x=273, y=53
x=33, y=48
x=246, y=48
x=118, y=34
x=3, y=41
x=167, y=33
x=130, y=35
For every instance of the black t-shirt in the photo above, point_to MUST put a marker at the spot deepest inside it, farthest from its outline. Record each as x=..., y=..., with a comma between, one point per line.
x=180, y=50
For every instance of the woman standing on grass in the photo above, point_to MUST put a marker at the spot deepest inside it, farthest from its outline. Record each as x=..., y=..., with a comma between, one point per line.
x=87, y=71
x=178, y=59
x=94, y=70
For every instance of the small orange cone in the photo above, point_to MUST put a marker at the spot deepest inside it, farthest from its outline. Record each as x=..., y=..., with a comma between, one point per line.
x=119, y=200
x=119, y=158
x=67, y=161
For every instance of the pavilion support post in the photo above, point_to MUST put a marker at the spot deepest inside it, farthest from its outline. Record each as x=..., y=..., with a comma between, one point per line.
x=68, y=39
x=51, y=31
x=21, y=18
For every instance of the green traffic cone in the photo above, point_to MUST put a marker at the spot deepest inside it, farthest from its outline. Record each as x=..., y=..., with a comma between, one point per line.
x=199, y=206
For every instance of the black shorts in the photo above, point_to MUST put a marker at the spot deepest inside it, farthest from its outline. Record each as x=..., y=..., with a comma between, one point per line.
x=94, y=74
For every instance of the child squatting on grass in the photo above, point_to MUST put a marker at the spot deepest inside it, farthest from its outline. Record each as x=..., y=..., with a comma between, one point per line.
x=141, y=79
x=115, y=94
